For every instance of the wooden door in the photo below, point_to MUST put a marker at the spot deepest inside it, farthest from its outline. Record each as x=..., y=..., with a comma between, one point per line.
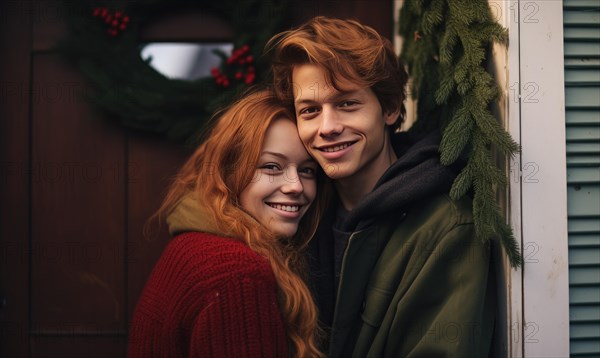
x=76, y=190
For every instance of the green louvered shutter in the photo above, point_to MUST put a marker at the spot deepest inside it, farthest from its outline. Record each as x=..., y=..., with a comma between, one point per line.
x=582, y=101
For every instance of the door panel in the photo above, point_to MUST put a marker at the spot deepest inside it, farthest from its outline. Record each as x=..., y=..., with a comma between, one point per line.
x=77, y=347
x=15, y=76
x=77, y=211
x=151, y=166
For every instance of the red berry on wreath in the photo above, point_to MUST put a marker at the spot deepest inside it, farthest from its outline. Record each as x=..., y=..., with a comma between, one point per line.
x=249, y=58
x=249, y=78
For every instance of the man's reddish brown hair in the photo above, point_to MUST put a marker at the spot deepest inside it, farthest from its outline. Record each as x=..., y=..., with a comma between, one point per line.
x=345, y=49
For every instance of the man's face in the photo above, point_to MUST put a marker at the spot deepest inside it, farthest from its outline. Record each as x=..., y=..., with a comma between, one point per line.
x=345, y=131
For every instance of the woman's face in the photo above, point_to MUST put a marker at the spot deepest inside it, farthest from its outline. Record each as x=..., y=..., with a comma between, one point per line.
x=284, y=183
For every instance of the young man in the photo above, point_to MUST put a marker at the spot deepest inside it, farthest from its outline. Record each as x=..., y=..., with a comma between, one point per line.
x=395, y=265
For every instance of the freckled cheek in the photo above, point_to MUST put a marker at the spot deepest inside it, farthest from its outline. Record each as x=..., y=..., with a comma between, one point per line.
x=253, y=196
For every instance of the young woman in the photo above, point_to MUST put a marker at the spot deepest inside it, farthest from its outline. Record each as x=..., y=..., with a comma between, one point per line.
x=241, y=209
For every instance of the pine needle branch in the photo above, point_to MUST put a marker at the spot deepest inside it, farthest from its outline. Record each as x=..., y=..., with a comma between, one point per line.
x=446, y=47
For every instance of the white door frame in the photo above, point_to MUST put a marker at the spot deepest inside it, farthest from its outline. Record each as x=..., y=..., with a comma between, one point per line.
x=539, y=292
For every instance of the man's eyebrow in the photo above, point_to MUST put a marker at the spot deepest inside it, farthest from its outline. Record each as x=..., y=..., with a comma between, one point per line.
x=334, y=97
x=344, y=94
x=304, y=101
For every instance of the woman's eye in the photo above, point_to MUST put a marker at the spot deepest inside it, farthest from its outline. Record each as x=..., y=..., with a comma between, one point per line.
x=270, y=168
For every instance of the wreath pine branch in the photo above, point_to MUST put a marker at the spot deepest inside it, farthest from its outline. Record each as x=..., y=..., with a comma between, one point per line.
x=132, y=93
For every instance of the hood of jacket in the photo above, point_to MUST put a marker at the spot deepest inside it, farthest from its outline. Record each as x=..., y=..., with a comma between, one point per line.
x=189, y=215
x=416, y=174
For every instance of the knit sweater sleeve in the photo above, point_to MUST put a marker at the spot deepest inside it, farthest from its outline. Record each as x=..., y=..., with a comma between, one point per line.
x=242, y=320
x=209, y=296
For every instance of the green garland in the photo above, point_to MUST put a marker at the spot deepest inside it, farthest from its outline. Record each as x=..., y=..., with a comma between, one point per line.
x=446, y=44
x=103, y=42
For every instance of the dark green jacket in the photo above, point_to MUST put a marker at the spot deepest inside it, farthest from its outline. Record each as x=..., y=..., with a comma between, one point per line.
x=415, y=282
x=427, y=292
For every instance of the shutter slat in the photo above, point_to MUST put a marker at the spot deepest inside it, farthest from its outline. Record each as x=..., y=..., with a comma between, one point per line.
x=584, y=134
x=585, y=257
x=583, y=226
x=582, y=98
x=582, y=49
x=583, y=118
x=581, y=18
x=584, y=295
x=584, y=201
x=579, y=240
x=581, y=33
x=589, y=175
x=584, y=331
x=584, y=276
x=581, y=5
x=583, y=63
x=587, y=313
x=584, y=148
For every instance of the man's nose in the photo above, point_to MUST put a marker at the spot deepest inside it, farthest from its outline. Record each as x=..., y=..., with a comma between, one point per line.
x=330, y=123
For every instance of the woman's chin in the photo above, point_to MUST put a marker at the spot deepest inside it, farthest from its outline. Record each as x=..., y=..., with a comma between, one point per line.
x=284, y=230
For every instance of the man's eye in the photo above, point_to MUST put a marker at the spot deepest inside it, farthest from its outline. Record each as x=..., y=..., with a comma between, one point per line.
x=308, y=171
x=309, y=110
x=347, y=103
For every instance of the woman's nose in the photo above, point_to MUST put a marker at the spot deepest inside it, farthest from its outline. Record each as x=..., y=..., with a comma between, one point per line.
x=291, y=181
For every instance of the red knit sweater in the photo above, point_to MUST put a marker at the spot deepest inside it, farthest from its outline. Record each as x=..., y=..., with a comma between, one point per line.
x=208, y=296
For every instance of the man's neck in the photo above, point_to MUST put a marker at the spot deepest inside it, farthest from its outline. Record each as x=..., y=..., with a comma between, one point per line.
x=353, y=189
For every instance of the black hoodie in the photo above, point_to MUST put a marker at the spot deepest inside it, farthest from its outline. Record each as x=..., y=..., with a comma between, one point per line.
x=417, y=174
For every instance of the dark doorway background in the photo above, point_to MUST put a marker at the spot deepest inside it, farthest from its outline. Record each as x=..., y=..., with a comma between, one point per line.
x=75, y=190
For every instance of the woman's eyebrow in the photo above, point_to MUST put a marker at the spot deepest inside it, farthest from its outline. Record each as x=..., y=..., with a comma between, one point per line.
x=284, y=157
x=275, y=154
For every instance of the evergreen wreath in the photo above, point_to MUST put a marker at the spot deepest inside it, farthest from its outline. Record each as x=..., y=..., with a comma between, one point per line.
x=446, y=44
x=103, y=42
